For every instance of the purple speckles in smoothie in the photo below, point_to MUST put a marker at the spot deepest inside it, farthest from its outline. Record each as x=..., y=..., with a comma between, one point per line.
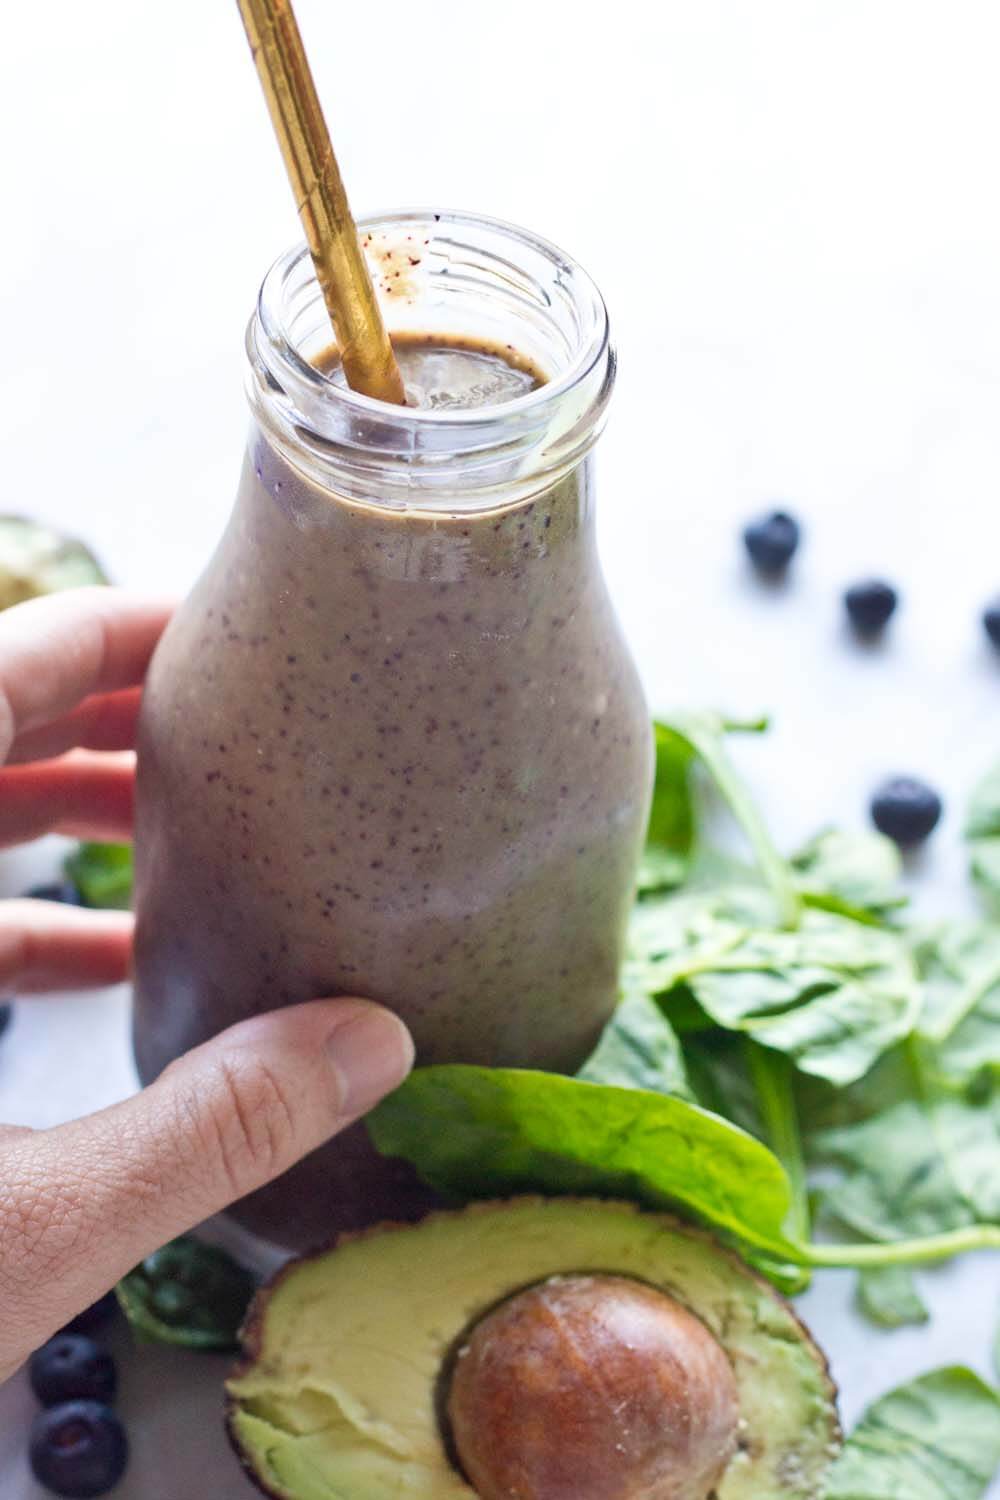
x=419, y=791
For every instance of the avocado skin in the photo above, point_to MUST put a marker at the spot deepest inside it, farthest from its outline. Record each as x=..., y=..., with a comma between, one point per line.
x=36, y=560
x=252, y=1339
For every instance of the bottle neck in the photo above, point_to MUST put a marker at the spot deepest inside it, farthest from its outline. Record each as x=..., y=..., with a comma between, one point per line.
x=441, y=276
x=293, y=529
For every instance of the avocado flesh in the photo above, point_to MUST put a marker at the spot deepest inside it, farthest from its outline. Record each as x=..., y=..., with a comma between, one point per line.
x=35, y=560
x=335, y=1398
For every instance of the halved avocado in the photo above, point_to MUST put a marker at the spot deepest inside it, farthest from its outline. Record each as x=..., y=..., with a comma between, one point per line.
x=36, y=560
x=338, y=1393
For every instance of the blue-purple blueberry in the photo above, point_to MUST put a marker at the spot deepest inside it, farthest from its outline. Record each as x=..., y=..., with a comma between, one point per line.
x=56, y=890
x=991, y=621
x=905, y=809
x=72, y=1366
x=93, y=1317
x=771, y=541
x=870, y=605
x=78, y=1450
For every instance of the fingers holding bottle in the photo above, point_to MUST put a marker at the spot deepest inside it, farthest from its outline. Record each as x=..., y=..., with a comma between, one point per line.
x=84, y=1202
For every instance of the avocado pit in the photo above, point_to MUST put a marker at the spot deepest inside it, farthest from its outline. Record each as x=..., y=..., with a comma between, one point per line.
x=592, y=1387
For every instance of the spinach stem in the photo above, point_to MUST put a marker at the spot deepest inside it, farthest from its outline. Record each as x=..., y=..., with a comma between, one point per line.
x=916, y=1252
x=771, y=1073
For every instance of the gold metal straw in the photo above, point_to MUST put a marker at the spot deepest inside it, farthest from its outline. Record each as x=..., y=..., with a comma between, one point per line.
x=297, y=116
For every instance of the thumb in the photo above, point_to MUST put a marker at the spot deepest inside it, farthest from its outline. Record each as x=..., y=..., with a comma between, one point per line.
x=80, y=1205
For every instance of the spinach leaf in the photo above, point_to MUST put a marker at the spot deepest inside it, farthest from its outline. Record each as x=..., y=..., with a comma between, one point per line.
x=888, y=1295
x=919, y=1139
x=982, y=817
x=925, y=1164
x=102, y=873
x=671, y=833
x=960, y=964
x=832, y=994
x=982, y=829
x=754, y=1088
x=823, y=1106
x=936, y=1438
x=638, y=1050
x=717, y=1068
x=704, y=734
x=772, y=1078
x=476, y=1132
x=967, y=1127
x=855, y=874
x=984, y=866
x=660, y=869
x=188, y=1294
x=898, y=1180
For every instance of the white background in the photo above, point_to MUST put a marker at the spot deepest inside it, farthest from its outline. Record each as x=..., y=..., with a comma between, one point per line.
x=792, y=208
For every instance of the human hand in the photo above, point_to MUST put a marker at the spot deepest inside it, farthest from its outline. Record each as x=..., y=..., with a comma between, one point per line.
x=82, y=1203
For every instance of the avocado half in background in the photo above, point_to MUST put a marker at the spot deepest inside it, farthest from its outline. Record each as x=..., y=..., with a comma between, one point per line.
x=35, y=560
x=543, y=1349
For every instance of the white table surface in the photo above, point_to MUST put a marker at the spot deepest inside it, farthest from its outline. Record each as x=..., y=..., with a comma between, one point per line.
x=792, y=209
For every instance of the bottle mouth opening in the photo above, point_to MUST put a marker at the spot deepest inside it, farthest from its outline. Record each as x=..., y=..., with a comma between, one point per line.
x=442, y=273
x=437, y=274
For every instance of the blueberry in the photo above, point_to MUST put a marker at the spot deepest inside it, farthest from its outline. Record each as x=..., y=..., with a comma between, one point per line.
x=6, y=1011
x=57, y=890
x=78, y=1449
x=991, y=621
x=71, y=1366
x=870, y=605
x=905, y=809
x=771, y=541
x=95, y=1316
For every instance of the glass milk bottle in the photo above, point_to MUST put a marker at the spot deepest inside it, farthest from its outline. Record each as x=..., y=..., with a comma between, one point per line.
x=393, y=744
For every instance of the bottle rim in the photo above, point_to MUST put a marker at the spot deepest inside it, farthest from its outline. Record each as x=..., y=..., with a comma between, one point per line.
x=353, y=442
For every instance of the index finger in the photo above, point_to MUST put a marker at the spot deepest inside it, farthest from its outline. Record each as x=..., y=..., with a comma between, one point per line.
x=56, y=651
x=45, y=946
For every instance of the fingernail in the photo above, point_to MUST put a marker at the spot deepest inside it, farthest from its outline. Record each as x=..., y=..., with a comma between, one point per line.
x=371, y=1052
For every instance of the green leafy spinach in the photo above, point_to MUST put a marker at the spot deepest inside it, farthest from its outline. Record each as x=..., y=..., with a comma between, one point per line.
x=639, y=1049
x=102, y=873
x=477, y=1132
x=982, y=829
x=936, y=1438
x=832, y=993
x=855, y=874
x=888, y=1295
x=188, y=1293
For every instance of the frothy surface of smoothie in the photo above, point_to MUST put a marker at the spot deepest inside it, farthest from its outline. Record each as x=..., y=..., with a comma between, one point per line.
x=454, y=374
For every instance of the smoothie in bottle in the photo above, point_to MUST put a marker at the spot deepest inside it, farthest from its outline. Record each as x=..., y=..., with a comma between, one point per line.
x=393, y=745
